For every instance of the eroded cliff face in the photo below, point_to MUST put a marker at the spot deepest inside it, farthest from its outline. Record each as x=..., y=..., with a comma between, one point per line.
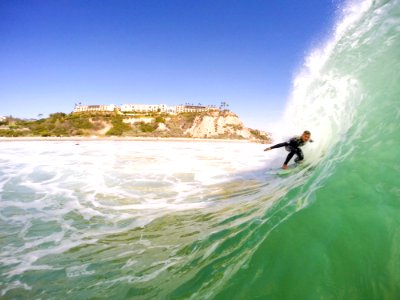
x=224, y=125
x=218, y=125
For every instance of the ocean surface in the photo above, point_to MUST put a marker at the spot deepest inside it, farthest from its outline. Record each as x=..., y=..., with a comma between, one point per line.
x=181, y=220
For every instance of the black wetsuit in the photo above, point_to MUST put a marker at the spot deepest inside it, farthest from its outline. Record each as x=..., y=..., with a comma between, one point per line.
x=293, y=147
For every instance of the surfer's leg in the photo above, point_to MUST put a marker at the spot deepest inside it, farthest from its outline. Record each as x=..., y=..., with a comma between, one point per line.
x=289, y=157
x=299, y=155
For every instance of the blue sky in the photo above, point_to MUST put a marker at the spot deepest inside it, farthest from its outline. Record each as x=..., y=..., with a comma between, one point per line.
x=54, y=54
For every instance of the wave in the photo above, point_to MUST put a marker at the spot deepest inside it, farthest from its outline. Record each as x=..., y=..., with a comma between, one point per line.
x=334, y=239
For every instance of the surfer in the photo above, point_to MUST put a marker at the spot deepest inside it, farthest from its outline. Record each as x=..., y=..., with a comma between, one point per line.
x=293, y=147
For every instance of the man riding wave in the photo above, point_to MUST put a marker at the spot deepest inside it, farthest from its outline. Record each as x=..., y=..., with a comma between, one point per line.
x=293, y=147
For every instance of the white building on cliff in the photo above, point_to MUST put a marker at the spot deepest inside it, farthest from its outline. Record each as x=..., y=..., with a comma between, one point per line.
x=146, y=108
x=95, y=108
x=165, y=108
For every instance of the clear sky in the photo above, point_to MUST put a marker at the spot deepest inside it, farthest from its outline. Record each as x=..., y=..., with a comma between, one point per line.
x=55, y=53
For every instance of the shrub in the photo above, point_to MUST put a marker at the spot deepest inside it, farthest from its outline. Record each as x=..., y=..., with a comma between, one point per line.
x=11, y=133
x=160, y=120
x=78, y=122
x=257, y=134
x=119, y=127
x=115, y=131
x=145, y=127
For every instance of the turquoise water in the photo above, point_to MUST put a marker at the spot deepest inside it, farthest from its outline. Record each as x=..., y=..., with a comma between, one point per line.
x=148, y=220
x=345, y=243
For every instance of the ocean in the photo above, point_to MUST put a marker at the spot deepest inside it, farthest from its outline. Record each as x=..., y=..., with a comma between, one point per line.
x=211, y=220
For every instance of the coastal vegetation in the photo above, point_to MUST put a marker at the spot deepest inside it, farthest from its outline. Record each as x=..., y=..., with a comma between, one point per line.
x=134, y=125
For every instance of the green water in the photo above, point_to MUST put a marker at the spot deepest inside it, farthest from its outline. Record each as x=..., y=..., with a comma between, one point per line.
x=346, y=243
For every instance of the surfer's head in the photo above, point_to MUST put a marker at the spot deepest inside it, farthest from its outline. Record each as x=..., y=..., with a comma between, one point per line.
x=306, y=136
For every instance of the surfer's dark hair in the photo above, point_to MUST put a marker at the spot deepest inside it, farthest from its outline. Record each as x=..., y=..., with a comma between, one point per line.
x=307, y=132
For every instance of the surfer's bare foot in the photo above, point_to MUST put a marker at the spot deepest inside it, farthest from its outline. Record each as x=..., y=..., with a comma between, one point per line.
x=285, y=167
x=267, y=149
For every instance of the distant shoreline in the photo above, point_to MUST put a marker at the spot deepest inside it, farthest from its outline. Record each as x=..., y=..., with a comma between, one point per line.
x=138, y=139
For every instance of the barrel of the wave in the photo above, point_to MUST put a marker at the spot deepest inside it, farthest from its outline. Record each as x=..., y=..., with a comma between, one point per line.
x=345, y=241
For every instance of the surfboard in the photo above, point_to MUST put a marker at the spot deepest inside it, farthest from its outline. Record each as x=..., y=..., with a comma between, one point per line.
x=283, y=172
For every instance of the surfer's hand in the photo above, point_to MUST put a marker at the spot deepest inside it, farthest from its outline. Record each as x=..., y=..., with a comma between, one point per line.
x=285, y=167
x=267, y=149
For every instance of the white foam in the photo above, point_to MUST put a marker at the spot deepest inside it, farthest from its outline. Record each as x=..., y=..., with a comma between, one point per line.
x=323, y=99
x=15, y=285
x=66, y=187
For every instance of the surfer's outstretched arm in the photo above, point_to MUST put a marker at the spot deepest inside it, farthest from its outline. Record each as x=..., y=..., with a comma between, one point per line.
x=277, y=146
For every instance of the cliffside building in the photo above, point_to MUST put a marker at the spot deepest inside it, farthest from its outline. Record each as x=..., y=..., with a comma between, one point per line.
x=145, y=108
x=165, y=108
x=190, y=108
x=97, y=108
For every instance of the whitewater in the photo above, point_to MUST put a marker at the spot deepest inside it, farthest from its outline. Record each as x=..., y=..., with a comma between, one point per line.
x=211, y=220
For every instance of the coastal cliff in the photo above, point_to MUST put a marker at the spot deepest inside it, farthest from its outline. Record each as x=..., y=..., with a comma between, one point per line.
x=218, y=124
x=214, y=125
x=223, y=125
